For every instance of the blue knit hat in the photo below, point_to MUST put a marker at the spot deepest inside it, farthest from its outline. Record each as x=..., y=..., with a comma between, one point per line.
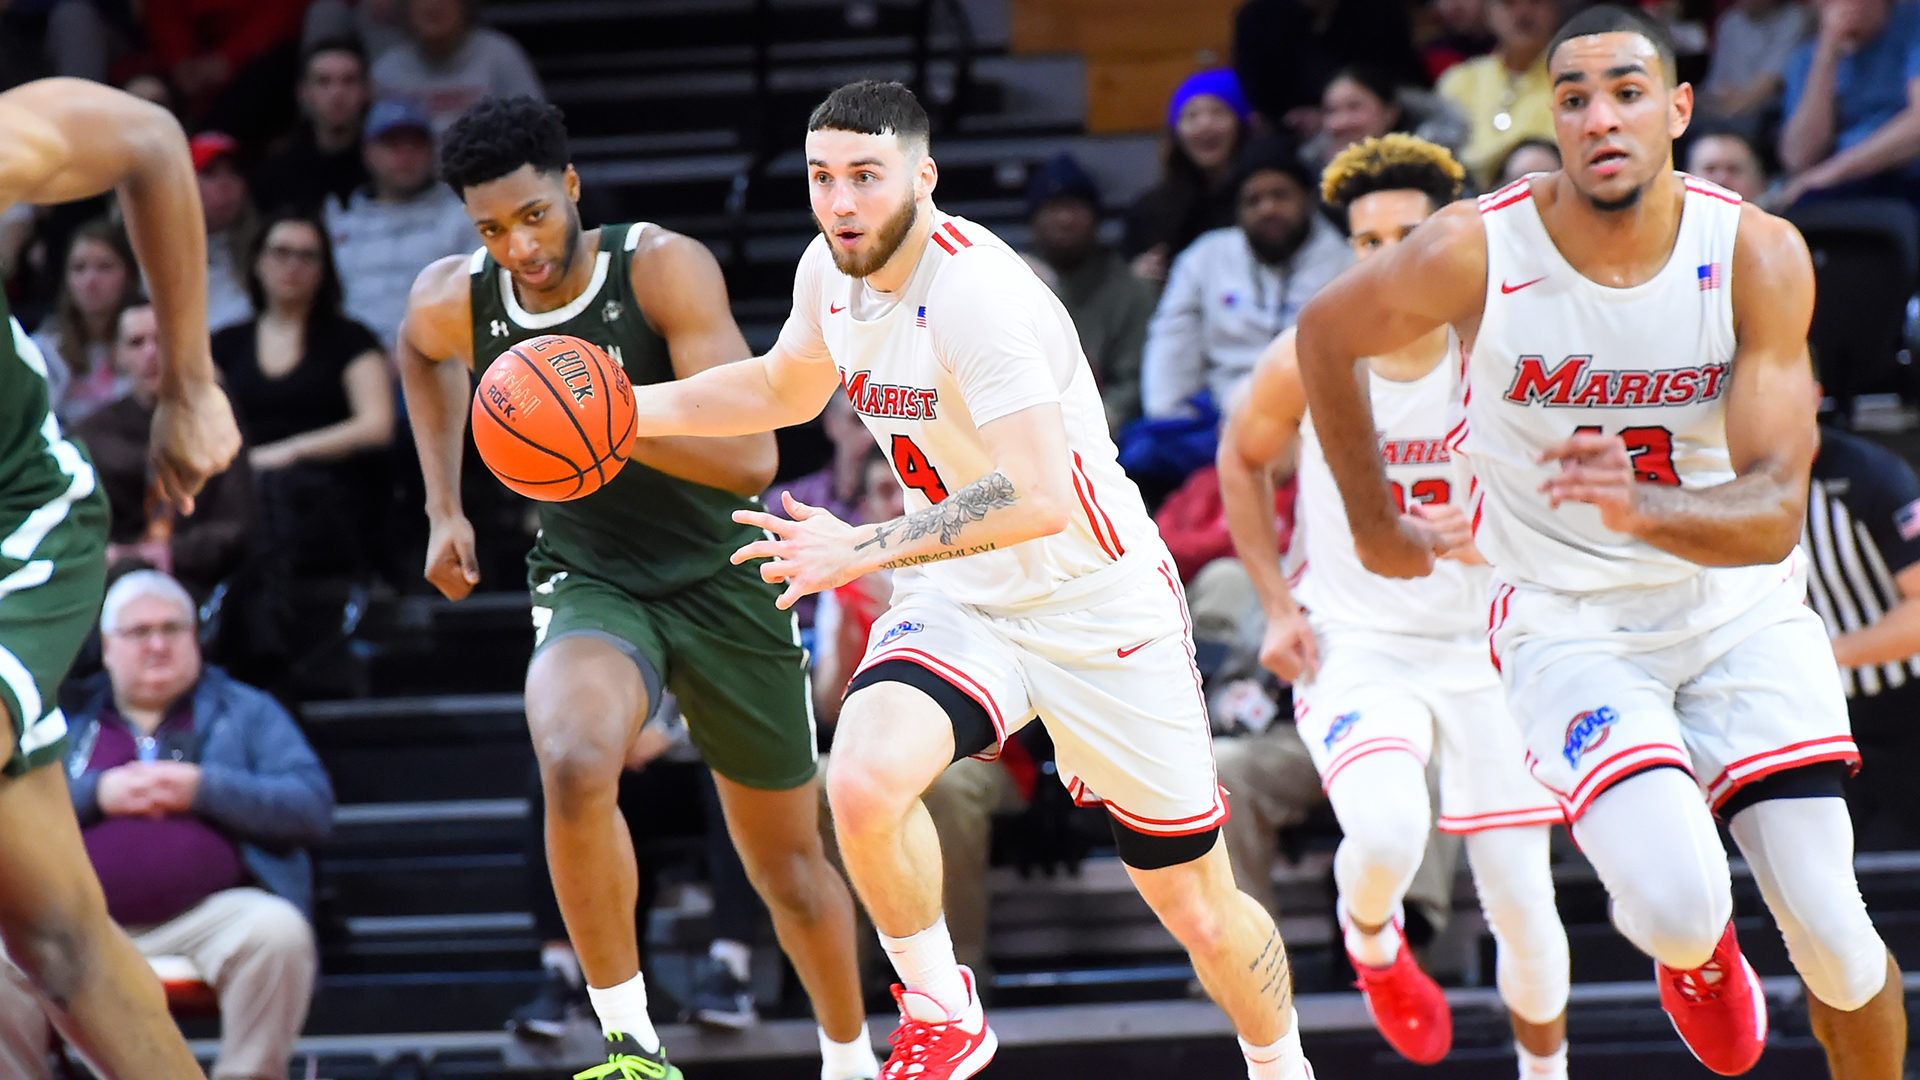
x=1220, y=82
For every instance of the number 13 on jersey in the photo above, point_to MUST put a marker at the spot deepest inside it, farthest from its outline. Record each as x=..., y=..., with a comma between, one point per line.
x=1650, y=448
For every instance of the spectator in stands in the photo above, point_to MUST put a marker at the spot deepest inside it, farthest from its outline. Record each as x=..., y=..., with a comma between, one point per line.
x=77, y=341
x=1505, y=95
x=1236, y=288
x=1110, y=306
x=200, y=551
x=1459, y=32
x=1853, y=104
x=150, y=87
x=232, y=226
x=197, y=797
x=230, y=60
x=1863, y=535
x=77, y=38
x=448, y=63
x=1362, y=102
x=401, y=221
x=1527, y=156
x=322, y=158
x=1752, y=43
x=379, y=25
x=1286, y=51
x=1206, y=125
x=315, y=396
x=1729, y=160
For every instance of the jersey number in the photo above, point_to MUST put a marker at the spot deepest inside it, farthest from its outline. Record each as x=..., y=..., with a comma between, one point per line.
x=1429, y=491
x=916, y=471
x=1651, y=449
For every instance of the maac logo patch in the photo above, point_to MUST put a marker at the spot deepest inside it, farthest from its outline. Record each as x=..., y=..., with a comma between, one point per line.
x=900, y=630
x=1588, y=730
x=1342, y=726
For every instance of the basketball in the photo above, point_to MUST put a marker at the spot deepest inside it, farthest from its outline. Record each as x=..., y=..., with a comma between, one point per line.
x=552, y=417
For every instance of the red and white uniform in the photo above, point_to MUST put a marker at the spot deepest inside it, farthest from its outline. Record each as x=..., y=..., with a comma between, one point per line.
x=1086, y=628
x=1618, y=655
x=1404, y=663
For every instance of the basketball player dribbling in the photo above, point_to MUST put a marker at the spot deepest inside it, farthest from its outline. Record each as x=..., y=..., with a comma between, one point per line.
x=1638, y=428
x=65, y=139
x=632, y=588
x=1390, y=673
x=1029, y=579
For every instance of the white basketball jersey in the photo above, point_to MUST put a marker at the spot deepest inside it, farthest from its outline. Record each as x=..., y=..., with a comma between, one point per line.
x=1413, y=420
x=1558, y=352
x=971, y=337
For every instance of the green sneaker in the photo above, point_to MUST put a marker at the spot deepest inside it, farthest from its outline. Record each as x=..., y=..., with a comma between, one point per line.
x=627, y=1060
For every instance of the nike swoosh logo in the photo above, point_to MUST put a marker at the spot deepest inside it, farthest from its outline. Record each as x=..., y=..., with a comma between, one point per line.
x=1506, y=288
x=1124, y=653
x=831, y=310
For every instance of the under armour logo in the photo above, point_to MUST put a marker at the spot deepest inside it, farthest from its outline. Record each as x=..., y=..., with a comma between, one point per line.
x=611, y=312
x=499, y=327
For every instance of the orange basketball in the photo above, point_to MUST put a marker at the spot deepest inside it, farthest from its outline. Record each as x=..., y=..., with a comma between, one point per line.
x=552, y=417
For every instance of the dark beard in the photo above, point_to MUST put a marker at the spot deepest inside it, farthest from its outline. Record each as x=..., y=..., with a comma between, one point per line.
x=892, y=233
x=1613, y=206
x=1275, y=254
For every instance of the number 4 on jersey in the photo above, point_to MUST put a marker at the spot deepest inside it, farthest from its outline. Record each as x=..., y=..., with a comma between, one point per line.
x=915, y=471
x=1651, y=449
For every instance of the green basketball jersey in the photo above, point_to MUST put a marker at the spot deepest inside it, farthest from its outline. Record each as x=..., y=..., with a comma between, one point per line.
x=40, y=471
x=647, y=532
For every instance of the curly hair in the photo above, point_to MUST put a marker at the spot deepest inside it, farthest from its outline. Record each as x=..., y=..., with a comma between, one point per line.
x=497, y=136
x=1391, y=162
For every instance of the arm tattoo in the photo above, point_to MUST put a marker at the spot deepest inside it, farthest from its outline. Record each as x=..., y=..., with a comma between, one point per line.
x=937, y=556
x=947, y=518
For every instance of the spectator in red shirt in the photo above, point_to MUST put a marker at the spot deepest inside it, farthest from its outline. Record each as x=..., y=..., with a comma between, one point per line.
x=233, y=61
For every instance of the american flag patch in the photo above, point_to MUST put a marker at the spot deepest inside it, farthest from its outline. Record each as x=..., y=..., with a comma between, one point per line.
x=920, y=320
x=1907, y=520
x=1709, y=276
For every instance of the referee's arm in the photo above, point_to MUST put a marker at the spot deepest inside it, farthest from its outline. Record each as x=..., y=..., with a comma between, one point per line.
x=1892, y=519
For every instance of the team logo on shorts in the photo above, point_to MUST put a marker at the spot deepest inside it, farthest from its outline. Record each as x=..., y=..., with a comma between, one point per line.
x=1342, y=724
x=901, y=630
x=1588, y=730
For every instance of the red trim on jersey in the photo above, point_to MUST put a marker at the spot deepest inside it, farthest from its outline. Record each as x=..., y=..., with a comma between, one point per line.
x=1364, y=747
x=1087, y=507
x=1497, y=607
x=1090, y=501
x=1720, y=193
x=1614, y=769
x=1507, y=196
x=958, y=237
x=1186, y=621
x=1830, y=748
x=944, y=246
x=946, y=672
x=1500, y=819
x=1452, y=438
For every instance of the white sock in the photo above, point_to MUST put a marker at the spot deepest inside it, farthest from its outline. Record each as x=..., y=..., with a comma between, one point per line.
x=735, y=955
x=1281, y=1060
x=1534, y=1067
x=925, y=963
x=1375, y=950
x=623, y=1009
x=848, y=1060
x=560, y=957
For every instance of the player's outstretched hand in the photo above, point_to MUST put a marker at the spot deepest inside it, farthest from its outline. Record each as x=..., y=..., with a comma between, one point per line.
x=451, y=566
x=812, y=552
x=1595, y=469
x=1453, y=531
x=194, y=437
x=1289, y=650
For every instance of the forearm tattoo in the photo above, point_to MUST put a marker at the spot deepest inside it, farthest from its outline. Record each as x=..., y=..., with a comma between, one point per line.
x=936, y=556
x=1271, y=968
x=948, y=517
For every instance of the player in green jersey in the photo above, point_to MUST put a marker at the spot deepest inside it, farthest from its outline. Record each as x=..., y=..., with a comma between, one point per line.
x=64, y=139
x=632, y=585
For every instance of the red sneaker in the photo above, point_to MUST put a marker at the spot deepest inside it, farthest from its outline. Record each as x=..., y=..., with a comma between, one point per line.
x=1407, y=1006
x=1717, y=1008
x=932, y=1044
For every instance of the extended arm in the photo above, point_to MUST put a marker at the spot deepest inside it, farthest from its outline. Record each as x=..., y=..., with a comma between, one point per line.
x=1892, y=145
x=1807, y=134
x=434, y=350
x=1894, y=637
x=1259, y=439
x=1435, y=277
x=684, y=296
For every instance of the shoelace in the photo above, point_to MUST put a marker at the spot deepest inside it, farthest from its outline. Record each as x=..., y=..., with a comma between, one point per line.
x=915, y=1037
x=1695, y=987
x=625, y=1067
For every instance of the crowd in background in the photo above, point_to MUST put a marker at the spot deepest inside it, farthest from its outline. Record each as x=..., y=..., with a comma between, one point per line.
x=314, y=129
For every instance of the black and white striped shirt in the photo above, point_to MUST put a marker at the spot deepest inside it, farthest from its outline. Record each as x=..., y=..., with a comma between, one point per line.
x=1862, y=528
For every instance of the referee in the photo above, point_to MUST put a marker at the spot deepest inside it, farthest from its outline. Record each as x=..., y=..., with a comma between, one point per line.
x=1862, y=533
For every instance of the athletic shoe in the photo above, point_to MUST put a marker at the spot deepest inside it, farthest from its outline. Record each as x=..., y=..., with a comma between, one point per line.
x=720, y=999
x=933, y=1044
x=626, y=1060
x=558, y=1002
x=1717, y=1008
x=1407, y=1006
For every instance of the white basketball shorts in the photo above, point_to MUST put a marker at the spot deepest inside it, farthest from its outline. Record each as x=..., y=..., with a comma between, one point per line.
x=1728, y=675
x=1112, y=679
x=1438, y=699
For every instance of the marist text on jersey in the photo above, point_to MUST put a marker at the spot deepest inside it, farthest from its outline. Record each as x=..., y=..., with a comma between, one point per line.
x=888, y=400
x=1574, y=383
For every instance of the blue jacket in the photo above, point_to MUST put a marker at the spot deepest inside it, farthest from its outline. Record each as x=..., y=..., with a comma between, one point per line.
x=260, y=783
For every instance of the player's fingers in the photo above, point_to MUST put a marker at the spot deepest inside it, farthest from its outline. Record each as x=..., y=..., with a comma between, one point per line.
x=758, y=549
x=796, y=509
x=469, y=563
x=777, y=571
x=772, y=523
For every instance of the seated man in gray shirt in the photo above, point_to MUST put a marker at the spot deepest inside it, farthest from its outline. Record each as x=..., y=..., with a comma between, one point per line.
x=448, y=63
